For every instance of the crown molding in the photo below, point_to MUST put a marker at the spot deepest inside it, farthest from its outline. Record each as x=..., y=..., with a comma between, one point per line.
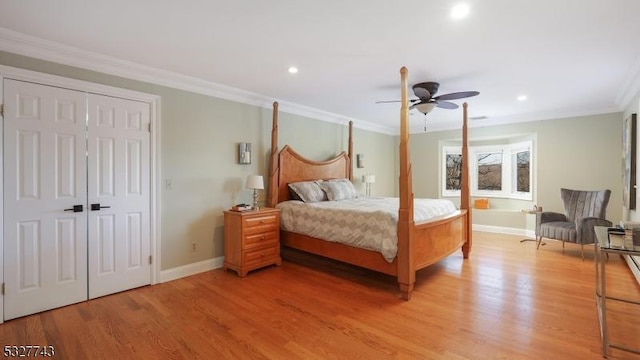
x=520, y=118
x=26, y=45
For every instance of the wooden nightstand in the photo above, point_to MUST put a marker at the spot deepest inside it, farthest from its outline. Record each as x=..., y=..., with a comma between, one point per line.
x=251, y=240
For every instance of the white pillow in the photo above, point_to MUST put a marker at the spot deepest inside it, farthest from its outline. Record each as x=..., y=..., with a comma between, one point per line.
x=308, y=191
x=339, y=189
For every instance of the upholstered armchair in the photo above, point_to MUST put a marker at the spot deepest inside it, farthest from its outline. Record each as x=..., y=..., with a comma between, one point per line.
x=582, y=211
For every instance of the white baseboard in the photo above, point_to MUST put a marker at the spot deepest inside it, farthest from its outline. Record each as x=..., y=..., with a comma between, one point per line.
x=634, y=265
x=191, y=269
x=505, y=230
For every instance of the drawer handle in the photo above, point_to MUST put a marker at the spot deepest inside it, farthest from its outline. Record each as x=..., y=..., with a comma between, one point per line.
x=262, y=237
x=261, y=221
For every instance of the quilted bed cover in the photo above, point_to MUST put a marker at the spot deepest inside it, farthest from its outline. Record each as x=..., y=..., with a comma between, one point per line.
x=365, y=222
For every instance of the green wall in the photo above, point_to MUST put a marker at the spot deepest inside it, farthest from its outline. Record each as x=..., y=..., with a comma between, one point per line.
x=199, y=136
x=577, y=153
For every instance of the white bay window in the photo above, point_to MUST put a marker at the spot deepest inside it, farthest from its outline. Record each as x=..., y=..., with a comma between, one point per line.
x=503, y=170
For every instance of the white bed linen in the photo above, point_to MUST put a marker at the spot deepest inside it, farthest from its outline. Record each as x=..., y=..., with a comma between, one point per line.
x=367, y=222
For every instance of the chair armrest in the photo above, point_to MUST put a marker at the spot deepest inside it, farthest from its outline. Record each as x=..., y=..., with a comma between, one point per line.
x=549, y=216
x=584, y=229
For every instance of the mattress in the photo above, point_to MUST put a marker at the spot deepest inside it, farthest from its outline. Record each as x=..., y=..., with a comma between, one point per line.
x=368, y=222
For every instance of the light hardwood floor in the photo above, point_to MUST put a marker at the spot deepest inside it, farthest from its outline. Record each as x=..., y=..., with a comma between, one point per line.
x=508, y=301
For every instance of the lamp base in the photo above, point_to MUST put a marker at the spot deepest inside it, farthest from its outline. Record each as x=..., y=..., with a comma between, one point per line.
x=255, y=200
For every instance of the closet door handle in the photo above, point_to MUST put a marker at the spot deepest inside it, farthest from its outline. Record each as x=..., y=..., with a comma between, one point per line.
x=97, y=206
x=75, y=208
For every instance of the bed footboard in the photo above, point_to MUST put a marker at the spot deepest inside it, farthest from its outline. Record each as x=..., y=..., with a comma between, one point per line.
x=438, y=239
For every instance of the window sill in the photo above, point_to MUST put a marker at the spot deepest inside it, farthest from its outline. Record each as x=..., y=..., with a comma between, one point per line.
x=497, y=210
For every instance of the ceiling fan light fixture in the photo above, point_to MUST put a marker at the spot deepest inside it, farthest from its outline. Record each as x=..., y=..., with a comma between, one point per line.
x=425, y=107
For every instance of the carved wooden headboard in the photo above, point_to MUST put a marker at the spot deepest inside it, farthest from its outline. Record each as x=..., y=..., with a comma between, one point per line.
x=293, y=167
x=287, y=166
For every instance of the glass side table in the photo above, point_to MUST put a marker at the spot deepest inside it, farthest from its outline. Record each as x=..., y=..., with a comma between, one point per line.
x=605, y=246
x=535, y=211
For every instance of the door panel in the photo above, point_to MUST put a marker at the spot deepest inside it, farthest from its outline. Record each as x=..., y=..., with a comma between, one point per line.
x=66, y=164
x=118, y=180
x=106, y=176
x=135, y=240
x=66, y=249
x=28, y=250
x=106, y=243
x=27, y=163
x=45, y=246
x=134, y=165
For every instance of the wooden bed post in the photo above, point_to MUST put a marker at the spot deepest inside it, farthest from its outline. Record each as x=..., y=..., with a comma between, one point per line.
x=406, y=245
x=273, y=164
x=465, y=200
x=350, y=152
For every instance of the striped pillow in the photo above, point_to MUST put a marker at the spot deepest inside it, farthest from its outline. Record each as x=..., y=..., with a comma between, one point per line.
x=339, y=189
x=308, y=191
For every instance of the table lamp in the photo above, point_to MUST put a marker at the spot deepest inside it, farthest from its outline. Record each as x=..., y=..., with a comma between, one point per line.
x=256, y=183
x=368, y=180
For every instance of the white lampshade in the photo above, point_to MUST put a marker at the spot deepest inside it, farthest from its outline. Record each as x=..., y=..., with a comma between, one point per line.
x=425, y=108
x=255, y=182
x=369, y=179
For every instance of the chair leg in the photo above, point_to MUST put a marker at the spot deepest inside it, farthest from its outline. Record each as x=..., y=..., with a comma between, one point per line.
x=539, y=241
x=582, y=251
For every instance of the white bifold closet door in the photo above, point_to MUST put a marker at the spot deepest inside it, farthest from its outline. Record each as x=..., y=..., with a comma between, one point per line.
x=76, y=196
x=45, y=240
x=118, y=180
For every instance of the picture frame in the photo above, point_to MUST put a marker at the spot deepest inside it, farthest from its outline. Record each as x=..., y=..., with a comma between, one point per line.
x=629, y=149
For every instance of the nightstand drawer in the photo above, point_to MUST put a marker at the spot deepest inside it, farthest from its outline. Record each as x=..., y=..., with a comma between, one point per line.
x=260, y=239
x=261, y=223
x=251, y=240
x=260, y=255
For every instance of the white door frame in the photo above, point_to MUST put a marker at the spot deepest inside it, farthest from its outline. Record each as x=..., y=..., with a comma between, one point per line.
x=80, y=85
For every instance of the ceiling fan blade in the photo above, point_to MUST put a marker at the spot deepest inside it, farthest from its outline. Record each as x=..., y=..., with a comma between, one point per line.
x=422, y=93
x=457, y=95
x=447, y=105
x=395, y=101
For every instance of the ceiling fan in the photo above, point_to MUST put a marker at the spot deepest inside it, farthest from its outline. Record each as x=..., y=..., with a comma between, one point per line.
x=426, y=100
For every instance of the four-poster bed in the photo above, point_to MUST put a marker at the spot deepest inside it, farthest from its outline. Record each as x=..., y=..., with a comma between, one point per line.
x=419, y=244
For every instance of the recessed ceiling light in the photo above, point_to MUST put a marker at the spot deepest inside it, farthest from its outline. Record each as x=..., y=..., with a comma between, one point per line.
x=293, y=70
x=460, y=11
x=522, y=97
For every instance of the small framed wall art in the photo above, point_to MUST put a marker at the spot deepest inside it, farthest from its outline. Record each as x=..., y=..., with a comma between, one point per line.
x=244, y=153
x=359, y=161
